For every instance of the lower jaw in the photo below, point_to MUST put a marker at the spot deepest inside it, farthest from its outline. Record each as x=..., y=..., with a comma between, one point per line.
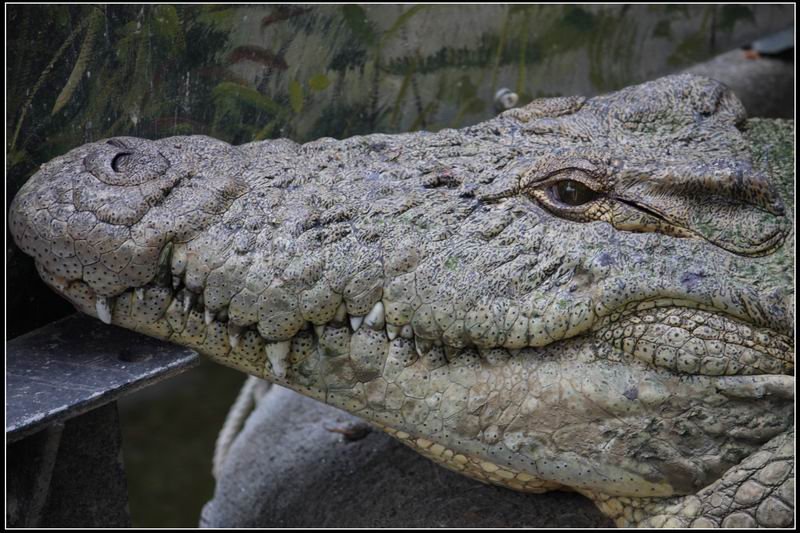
x=494, y=408
x=475, y=466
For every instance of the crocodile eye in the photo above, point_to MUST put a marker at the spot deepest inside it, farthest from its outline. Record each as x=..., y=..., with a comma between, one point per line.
x=572, y=193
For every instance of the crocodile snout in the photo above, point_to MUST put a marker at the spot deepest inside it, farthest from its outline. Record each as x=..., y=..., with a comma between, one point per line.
x=103, y=213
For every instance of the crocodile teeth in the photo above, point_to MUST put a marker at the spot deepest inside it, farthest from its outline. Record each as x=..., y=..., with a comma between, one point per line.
x=376, y=318
x=188, y=300
x=319, y=329
x=234, y=333
x=278, y=353
x=176, y=282
x=355, y=322
x=423, y=346
x=407, y=332
x=514, y=352
x=392, y=331
x=139, y=294
x=103, y=309
x=208, y=316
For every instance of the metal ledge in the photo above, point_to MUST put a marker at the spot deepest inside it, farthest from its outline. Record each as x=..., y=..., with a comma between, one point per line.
x=77, y=364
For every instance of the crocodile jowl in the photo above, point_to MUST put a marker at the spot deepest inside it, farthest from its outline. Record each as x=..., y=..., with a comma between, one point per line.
x=586, y=294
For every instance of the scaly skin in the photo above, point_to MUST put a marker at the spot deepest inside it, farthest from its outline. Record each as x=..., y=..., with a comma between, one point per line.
x=580, y=294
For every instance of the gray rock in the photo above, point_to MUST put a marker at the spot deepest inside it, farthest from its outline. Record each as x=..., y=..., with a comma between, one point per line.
x=292, y=467
x=765, y=85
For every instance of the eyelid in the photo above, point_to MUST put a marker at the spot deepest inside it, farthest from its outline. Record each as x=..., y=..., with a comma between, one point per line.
x=544, y=169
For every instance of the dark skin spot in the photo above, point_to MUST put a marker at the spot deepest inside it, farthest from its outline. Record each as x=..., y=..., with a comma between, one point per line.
x=631, y=393
x=692, y=279
x=604, y=259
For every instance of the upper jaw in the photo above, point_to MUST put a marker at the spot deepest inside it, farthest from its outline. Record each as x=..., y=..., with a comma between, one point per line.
x=104, y=212
x=524, y=279
x=740, y=329
x=465, y=274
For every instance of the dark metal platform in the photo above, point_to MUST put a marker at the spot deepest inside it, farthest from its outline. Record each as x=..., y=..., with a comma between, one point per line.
x=77, y=364
x=63, y=439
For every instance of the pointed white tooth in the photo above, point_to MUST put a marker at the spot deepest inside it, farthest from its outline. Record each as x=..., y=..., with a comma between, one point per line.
x=234, y=332
x=139, y=294
x=341, y=313
x=208, y=316
x=319, y=329
x=278, y=353
x=376, y=318
x=176, y=282
x=392, y=331
x=355, y=322
x=103, y=308
x=423, y=346
x=407, y=332
x=515, y=352
x=188, y=300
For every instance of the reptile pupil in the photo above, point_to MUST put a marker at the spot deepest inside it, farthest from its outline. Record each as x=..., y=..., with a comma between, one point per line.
x=572, y=192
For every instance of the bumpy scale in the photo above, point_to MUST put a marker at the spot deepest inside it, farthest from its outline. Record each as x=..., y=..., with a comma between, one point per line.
x=587, y=294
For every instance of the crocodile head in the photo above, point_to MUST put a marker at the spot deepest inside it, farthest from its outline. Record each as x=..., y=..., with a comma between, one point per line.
x=584, y=293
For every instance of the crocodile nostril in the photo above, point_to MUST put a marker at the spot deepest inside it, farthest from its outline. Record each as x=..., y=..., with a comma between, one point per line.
x=132, y=166
x=120, y=161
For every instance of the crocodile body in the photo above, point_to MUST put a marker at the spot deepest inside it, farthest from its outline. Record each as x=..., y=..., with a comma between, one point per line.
x=583, y=294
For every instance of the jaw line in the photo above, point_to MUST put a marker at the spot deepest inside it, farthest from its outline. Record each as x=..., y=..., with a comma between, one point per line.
x=277, y=353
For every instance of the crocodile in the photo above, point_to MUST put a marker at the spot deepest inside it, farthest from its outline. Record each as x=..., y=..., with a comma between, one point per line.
x=586, y=294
